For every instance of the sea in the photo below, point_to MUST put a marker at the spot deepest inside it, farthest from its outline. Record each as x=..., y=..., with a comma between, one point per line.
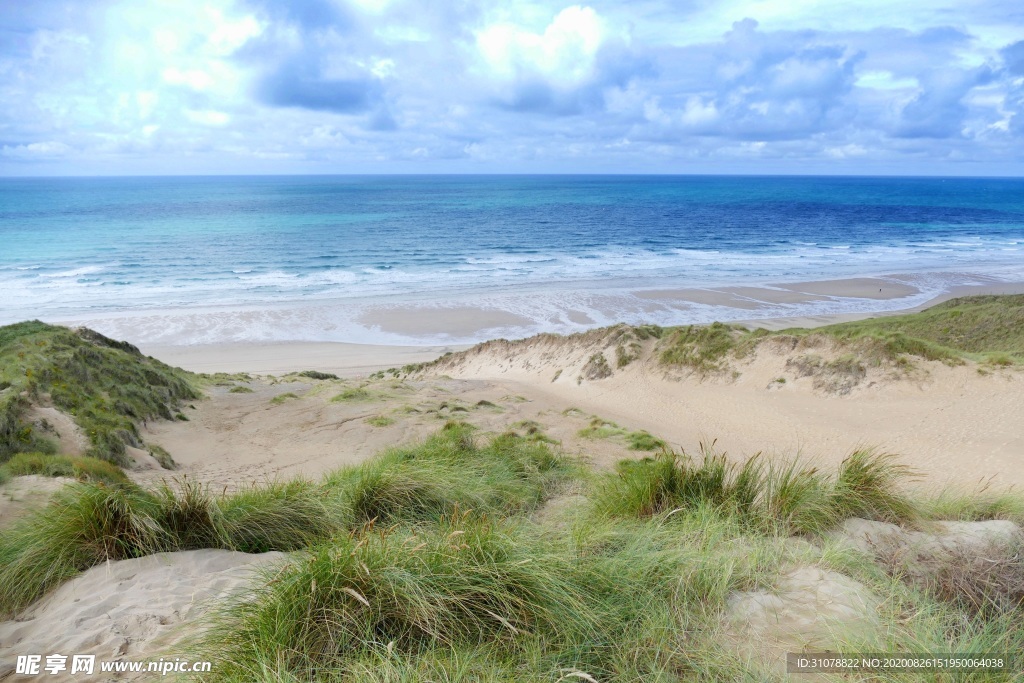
x=235, y=259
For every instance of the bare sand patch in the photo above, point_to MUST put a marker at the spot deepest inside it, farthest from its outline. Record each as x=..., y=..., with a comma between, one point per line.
x=860, y=287
x=279, y=358
x=22, y=494
x=131, y=609
x=457, y=321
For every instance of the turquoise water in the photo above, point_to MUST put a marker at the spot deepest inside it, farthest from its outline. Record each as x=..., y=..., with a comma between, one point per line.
x=113, y=246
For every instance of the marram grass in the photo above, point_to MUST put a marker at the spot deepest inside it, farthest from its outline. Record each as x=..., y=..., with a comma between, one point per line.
x=769, y=497
x=424, y=563
x=90, y=522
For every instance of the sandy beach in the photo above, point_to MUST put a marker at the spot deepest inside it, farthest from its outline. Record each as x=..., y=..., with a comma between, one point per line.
x=951, y=424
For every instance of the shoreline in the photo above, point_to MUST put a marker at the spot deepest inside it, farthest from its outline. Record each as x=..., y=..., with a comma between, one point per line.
x=359, y=359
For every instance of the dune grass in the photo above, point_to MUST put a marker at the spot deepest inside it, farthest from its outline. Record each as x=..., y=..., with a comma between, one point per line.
x=767, y=497
x=353, y=394
x=639, y=440
x=509, y=473
x=985, y=329
x=82, y=468
x=90, y=522
x=975, y=326
x=424, y=563
x=107, y=386
x=471, y=597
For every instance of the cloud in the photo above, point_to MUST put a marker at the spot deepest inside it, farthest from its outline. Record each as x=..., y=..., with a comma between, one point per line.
x=561, y=69
x=938, y=110
x=1013, y=57
x=759, y=86
x=525, y=85
x=289, y=86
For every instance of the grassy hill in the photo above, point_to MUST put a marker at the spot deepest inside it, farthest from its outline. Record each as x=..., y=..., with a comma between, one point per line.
x=108, y=387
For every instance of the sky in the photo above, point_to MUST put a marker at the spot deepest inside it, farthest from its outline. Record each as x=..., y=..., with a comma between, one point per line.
x=167, y=87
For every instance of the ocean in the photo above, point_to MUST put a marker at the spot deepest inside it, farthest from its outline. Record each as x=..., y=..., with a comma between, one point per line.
x=172, y=260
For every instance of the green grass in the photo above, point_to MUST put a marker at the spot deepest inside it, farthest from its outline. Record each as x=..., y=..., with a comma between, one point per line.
x=705, y=348
x=82, y=468
x=353, y=394
x=316, y=374
x=380, y=421
x=986, y=329
x=972, y=326
x=769, y=498
x=476, y=598
x=425, y=563
x=507, y=474
x=240, y=390
x=107, y=386
x=91, y=522
x=637, y=441
x=281, y=398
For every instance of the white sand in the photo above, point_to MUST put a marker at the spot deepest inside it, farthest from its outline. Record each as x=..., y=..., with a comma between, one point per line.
x=279, y=358
x=128, y=610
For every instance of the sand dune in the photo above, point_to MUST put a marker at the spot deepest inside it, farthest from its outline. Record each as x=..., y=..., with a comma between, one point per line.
x=950, y=423
x=128, y=610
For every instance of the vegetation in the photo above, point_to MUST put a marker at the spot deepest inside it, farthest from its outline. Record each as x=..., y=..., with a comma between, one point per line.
x=704, y=348
x=108, y=387
x=315, y=374
x=764, y=497
x=987, y=329
x=596, y=368
x=353, y=394
x=637, y=441
x=110, y=519
x=973, y=326
x=281, y=398
x=426, y=563
x=82, y=468
x=380, y=421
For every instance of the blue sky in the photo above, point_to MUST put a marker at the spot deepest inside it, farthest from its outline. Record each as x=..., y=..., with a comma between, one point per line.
x=128, y=87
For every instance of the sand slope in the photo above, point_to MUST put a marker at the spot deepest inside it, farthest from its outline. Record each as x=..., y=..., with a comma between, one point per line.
x=950, y=423
x=953, y=424
x=128, y=610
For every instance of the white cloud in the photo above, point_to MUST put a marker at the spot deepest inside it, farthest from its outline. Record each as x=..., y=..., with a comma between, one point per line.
x=36, y=150
x=884, y=80
x=207, y=117
x=523, y=85
x=196, y=79
x=564, y=53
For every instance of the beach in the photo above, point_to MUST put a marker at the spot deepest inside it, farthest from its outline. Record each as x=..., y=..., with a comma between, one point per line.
x=950, y=424
x=470, y=324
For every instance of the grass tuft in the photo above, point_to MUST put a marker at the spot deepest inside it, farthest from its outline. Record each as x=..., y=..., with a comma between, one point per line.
x=82, y=468
x=767, y=498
